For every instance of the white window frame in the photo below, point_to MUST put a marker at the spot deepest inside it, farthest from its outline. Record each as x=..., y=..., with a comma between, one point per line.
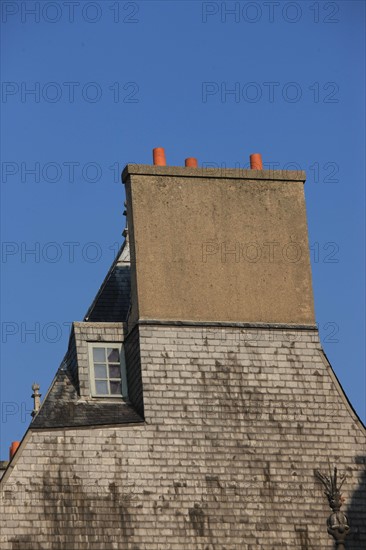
x=104, y=345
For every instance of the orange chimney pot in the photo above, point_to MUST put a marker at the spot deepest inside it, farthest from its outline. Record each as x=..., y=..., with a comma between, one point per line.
x=159, y=156
x=13, y=448
x=191, y=162
x=256, y=161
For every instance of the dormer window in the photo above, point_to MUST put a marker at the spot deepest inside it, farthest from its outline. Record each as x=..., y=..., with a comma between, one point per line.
x=107, y=370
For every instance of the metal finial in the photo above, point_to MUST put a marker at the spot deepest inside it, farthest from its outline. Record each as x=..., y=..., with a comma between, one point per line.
x=125, y=231
x=37, y=398
x=337, y=522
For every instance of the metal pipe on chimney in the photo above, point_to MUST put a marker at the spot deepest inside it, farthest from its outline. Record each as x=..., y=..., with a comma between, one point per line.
x=256, y=161
x=159, y=156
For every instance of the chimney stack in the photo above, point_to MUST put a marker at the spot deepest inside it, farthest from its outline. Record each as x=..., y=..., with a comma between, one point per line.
x=218, y=246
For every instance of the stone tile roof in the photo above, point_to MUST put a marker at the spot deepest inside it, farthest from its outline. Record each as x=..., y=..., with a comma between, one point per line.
x=112, y=301
x=62, y=408
x=238, y=420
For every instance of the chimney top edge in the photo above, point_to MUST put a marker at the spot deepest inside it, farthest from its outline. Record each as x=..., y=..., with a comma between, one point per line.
x=223, y=173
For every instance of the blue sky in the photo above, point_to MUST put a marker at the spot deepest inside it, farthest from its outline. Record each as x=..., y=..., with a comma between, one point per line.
x=215, y=80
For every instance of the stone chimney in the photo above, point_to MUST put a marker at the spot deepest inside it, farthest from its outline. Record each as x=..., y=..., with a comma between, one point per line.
x=218, y=245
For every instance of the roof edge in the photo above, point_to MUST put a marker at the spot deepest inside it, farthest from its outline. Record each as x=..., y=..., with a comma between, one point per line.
x=105, y=280
x=341, y=391
x=191, y=323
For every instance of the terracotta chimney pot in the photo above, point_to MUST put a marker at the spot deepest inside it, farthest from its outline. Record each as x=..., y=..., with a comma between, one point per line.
x=13, y=448
x=256, y=161
x=159, y=156
x=191, y=162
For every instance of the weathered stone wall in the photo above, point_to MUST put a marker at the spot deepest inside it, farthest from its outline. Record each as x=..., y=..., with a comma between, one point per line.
x=218, y=245
x=237, y=420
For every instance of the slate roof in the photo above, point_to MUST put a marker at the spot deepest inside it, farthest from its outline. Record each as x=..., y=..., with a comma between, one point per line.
x=112, y=301
x=62, y=406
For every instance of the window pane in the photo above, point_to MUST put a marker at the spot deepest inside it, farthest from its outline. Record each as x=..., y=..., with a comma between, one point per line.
x=100, y=371
x=113, y=355
x=116, y=388
x=101, y=387
x=114, y=371
x=99, y=355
